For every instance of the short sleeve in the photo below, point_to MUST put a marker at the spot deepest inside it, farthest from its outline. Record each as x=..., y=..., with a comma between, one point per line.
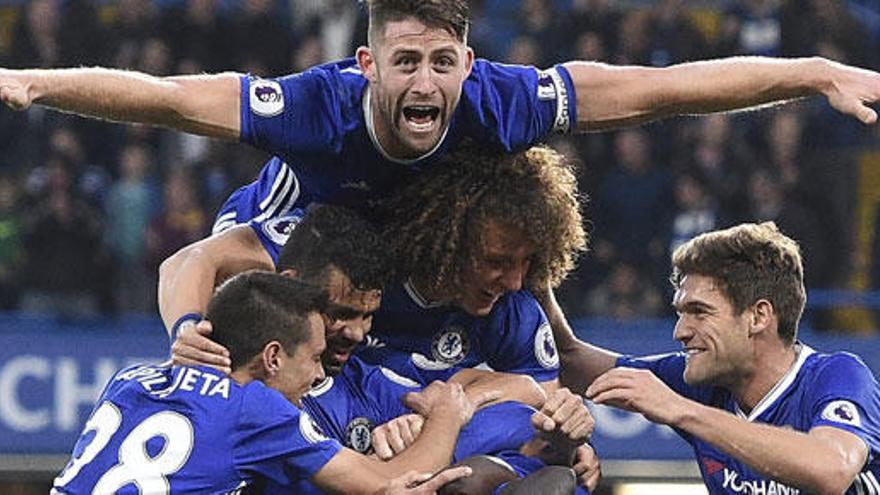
x=518, y=106
x=525, y=340
x=277, y=440
x=845, y=395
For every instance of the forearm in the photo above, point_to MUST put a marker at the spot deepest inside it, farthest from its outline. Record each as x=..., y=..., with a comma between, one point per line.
x=614, y=96
x=206, y=105
x=513, y=387
x=581, y=363
x=186, y=282
x=773, y=451
x=187, y=278
x=431, y=451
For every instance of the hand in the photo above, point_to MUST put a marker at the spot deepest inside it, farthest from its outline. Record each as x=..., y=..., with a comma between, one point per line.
x=413, y=483
x=851, y=89
x=586, y=467
x=638, y=391
x=13, y=92
x=447, y=398
x=395, y=436
x=193, y=347
x=564, y=419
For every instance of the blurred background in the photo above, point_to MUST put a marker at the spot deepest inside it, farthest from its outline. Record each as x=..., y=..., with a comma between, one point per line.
x=89, y=209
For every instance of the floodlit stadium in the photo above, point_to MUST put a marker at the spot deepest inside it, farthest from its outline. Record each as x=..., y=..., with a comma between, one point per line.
x=93, y=211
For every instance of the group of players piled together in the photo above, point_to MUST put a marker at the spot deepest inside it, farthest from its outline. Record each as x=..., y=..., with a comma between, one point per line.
x=389, y=307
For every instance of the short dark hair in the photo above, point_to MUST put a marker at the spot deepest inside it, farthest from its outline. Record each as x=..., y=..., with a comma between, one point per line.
x=449, y=15
x=749, y=262
x=254, y=308
x=336, y=237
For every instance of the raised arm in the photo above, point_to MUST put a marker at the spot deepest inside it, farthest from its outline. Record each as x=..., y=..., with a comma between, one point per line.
x=188, y=277
x=203, y=104
x=580, y=362
x=611, y=96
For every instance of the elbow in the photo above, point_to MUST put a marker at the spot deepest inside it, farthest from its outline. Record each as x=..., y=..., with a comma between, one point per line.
x=832, y=479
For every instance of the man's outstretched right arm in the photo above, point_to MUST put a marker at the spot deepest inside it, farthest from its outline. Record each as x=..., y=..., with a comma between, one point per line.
x=200, y=104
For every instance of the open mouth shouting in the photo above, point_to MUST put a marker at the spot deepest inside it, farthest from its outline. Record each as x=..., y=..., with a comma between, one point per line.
x=421, y=118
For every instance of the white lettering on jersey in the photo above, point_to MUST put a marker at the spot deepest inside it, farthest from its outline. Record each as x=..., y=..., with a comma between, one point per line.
x=551, y=85
x=267, y=99
x=842, y=411
x=192, y=380
x=733, y=483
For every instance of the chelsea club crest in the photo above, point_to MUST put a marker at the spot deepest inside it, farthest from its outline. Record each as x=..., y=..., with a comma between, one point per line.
x=450, y=345
x=359, y=435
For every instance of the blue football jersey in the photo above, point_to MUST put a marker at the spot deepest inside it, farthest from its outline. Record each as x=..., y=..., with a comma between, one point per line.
x=319, y=124
x=160, y=429
x=835, y=390
x=427, y=342
x=349, y=405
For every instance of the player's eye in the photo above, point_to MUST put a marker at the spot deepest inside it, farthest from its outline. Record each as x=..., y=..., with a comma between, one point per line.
x=444, y=63
x=406, y=62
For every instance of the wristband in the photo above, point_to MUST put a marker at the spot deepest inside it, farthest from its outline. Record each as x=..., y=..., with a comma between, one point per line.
x=189, y=317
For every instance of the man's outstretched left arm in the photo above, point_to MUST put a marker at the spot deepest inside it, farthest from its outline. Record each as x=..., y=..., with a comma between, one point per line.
x=610, y=96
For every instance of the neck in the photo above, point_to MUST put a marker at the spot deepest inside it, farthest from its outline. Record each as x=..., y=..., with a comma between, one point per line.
x=774, y=362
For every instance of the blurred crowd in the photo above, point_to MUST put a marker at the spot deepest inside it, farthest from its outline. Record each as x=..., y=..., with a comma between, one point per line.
x=89, y=209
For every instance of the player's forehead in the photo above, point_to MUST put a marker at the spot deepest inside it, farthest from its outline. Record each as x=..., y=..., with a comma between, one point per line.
x=698, y=289
x=499, y=239
x=410, y=34
x=342, y=293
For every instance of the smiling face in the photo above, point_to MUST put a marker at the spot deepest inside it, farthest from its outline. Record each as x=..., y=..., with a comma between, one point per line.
x=500, y=264
x=416, y=75
x=298, y=371
x=717, y=341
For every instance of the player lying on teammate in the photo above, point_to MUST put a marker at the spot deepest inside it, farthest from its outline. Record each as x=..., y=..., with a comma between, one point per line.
x=763, y=412
x=193, y=429
x=337, y=250
x=461, y=265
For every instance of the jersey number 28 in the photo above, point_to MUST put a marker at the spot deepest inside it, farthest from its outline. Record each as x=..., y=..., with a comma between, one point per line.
x=135, y=464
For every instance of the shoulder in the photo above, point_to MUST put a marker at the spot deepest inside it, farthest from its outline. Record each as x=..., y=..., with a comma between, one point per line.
x=839, y=370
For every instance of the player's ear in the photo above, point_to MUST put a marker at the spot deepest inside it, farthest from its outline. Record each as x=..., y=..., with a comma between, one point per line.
x=366, y=62
x=762, y=317
x=271, y=358
x=468, y=61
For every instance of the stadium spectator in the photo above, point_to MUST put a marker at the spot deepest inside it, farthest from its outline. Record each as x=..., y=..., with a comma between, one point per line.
x=65, y=264
x=10, y=243
x=131, y=203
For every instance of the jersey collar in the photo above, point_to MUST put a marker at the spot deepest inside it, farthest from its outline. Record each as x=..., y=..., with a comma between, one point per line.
x=419, y=300
x=371, y=130
x=322, y=387
x=802, y=352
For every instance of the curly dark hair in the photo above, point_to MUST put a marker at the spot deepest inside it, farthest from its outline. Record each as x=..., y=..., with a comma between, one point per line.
x=434, y=225
x=750, y=262
x=450, y=15
x=335, y=237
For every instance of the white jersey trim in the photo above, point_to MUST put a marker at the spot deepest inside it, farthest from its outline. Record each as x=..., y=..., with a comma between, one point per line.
x=371, y=130
x=278, y=206
x=420, y=300
x=802, y=353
